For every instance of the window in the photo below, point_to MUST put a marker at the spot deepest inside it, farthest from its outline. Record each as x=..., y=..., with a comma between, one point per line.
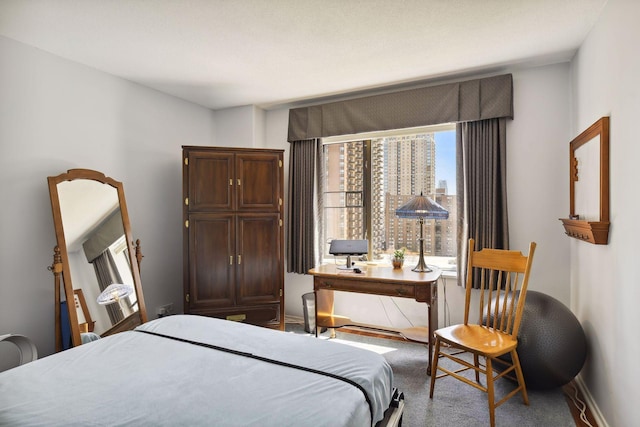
x=366, y=179
x=120, y=255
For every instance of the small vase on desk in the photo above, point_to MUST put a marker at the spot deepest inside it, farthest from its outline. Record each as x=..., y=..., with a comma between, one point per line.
x=397, y=262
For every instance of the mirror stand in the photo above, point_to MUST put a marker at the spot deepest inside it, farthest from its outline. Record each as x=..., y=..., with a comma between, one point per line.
x=139, y=255
x=56, y=269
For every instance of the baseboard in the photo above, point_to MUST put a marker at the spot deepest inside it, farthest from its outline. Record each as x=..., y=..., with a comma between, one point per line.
x=289, y=318
x=597, y=414
x=375, y=333
x=590, y=408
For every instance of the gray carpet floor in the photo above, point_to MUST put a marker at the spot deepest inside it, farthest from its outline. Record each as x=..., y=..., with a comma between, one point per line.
x=455, y=403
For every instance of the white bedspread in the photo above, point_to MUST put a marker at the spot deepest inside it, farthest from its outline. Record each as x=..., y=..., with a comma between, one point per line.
x=134, y=378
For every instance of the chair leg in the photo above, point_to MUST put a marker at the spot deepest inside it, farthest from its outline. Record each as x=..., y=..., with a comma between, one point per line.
x=476, y=362
x=434, y=366
x=520, y=376
x=490, y=394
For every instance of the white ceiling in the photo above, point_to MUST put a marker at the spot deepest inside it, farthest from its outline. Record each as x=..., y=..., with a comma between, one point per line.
x=227, y=53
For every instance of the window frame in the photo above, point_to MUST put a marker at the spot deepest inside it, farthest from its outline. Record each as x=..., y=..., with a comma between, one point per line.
x=366, y=139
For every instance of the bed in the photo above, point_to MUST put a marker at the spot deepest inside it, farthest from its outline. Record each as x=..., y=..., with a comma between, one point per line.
x=193, y=370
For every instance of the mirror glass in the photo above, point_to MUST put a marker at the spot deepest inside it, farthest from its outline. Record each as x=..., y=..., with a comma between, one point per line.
x=587, y=187
x=99, y=268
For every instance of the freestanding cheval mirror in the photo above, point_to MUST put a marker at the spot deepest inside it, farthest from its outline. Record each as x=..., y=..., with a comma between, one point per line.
x=95, y=256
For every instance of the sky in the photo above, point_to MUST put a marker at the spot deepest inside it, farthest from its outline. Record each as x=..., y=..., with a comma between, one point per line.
x=446, y=159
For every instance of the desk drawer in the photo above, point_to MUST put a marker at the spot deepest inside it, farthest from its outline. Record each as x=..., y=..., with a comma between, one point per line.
x=366, y=287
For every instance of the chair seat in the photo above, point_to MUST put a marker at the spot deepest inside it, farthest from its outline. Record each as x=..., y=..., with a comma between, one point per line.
x=478, y=338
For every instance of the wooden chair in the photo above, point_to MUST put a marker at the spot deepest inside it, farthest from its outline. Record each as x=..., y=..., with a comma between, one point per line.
x=496, y=331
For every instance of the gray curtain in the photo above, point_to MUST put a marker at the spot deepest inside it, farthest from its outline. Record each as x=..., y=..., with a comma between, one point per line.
x=481, y=181
x=301, y=250
x=103, y=235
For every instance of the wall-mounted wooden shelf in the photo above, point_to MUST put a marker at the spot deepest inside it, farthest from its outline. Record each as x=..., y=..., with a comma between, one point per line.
x=596, y=232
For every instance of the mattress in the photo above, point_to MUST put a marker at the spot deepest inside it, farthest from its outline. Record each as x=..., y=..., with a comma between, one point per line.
x=192, y=370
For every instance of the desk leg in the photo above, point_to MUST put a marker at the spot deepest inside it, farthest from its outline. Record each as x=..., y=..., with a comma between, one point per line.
x=433, y=321
x=324, y=308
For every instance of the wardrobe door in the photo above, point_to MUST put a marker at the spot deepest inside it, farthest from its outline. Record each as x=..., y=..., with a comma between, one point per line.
x=258, y=181
x=212, y=261
x=260, y=270
x=212, y=183
x=260, y=267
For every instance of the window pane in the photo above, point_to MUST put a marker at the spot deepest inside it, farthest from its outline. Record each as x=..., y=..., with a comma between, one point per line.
x=343, y=196
x=401, y=167
x=344, y=223
x=334, y=200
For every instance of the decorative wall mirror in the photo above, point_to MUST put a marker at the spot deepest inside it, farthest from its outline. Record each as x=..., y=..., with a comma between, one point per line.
x=589, y=185
x=96, y=257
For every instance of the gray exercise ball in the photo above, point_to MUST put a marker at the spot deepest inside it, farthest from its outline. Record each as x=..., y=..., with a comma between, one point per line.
x=552, y=346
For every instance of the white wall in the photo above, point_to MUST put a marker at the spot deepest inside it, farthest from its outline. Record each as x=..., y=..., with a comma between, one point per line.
x=605, y=279
x=537, y=158
x=240, y=127
x=538, y=176
x=56, y=115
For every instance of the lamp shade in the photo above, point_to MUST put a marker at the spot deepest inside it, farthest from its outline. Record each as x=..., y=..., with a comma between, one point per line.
x=114, y=292
x=422, y=207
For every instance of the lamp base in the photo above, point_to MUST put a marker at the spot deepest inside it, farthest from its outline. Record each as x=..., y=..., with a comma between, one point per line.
x=422, y=266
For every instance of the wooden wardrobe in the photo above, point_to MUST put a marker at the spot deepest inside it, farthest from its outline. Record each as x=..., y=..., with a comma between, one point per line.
x=233, y=234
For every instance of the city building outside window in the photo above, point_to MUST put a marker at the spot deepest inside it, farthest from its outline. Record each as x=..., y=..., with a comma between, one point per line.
x=365, y=179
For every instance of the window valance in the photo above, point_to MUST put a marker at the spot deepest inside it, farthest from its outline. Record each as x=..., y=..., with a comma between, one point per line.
x=471, y=100
x=103, y=236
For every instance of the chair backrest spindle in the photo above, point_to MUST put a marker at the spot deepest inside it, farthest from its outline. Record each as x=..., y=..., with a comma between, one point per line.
x=503, y=277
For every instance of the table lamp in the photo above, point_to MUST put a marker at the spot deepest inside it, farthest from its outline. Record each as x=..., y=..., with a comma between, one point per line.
x=422, y=207
x=114, y=293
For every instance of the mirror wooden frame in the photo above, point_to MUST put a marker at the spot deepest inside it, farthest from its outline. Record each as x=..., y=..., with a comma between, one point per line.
x=596, y=232
x=89, y=323
x=61, y=259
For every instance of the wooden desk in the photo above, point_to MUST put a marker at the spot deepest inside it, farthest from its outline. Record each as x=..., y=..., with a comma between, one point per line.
x=383, y=280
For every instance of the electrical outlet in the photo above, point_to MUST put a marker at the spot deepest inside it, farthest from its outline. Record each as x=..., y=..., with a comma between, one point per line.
x=164, y=310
